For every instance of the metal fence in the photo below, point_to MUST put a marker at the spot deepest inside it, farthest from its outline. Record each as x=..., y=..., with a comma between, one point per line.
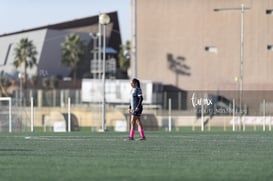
x=195, y=110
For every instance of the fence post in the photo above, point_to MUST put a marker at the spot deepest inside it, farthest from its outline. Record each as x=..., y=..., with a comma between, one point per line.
x=233, y=117
x=10, y=123
x=31, y=115
x=170, y=116
x=269, y=126
x=264, y=115
x=69, y=116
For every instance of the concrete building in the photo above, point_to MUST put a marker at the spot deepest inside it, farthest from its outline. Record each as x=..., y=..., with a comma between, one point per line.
x=48, y=39
x=195, y=47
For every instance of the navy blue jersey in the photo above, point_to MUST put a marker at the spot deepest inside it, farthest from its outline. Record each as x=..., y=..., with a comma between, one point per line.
x=136, y=99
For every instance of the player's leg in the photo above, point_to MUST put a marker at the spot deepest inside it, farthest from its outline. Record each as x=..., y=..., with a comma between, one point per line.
x=133, y=123
x=140, y=128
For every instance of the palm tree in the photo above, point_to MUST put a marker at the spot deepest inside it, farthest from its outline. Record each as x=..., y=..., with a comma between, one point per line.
x=73, y=53
x=25, y=54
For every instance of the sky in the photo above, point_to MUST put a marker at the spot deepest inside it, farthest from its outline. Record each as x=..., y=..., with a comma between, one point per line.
x=16, y=15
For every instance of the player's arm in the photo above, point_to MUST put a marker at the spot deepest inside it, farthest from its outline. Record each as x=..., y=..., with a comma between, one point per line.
x=139, y=102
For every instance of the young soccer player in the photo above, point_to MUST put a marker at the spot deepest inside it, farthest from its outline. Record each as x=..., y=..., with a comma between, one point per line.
x=135, y=109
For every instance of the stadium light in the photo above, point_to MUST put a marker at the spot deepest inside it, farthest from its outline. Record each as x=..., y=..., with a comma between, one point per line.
x=242, y=9
x=104, y=20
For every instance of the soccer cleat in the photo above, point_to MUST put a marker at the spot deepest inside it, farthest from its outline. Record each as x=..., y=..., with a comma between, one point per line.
x=141, y=138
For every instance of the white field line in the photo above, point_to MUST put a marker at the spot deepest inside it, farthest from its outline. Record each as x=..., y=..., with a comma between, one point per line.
x=211, y=138
x=70, y=138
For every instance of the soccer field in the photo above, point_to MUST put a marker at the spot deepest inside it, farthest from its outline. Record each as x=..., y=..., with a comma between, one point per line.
x=163, y=156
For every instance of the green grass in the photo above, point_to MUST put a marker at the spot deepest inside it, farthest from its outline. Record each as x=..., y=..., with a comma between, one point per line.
x=187, y=155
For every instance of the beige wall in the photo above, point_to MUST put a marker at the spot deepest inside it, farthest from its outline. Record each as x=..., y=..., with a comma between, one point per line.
x=184, y=28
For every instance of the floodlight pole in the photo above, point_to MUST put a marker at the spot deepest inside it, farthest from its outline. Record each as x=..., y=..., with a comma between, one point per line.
x=134, y=38
x=241, y=61
x=242, y=9
x=104, y=20
x=99, y=49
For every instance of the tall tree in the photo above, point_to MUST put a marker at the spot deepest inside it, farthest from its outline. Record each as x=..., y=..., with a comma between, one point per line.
x=25, y=54
x=73, y=53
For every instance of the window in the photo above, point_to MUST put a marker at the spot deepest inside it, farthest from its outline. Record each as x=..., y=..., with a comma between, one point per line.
x=211, y=49
x=269, y=11
x=270, y=47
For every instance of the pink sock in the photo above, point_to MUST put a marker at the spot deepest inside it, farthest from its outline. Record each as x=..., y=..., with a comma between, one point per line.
x=132, y=133
x=141, y=132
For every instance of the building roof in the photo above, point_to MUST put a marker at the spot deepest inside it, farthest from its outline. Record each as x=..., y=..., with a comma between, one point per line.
x=73, y=24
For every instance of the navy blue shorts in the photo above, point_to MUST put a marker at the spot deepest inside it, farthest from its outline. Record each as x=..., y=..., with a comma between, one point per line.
x=137, y=113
